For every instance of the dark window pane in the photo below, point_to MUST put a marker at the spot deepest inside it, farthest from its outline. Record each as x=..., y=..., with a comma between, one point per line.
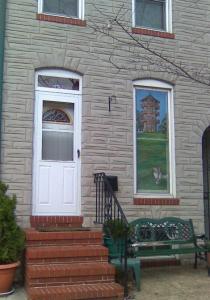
x=67, y=8
x=151, y=14
x=58, y=82
x=152, y=141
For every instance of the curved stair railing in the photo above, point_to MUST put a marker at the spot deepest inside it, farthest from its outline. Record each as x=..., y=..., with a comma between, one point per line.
x=108, y=209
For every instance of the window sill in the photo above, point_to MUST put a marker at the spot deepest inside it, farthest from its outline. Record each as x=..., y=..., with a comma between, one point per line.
x=160, y=34
x=156, y=201
x=63, y=20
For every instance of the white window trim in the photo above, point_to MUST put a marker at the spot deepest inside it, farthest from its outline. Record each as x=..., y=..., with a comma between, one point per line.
x=80, y=14
x=168, y=17
x=157, y=85
x=62, y=74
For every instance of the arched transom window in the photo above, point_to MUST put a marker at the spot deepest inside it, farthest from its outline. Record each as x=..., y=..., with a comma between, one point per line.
x=55, y=115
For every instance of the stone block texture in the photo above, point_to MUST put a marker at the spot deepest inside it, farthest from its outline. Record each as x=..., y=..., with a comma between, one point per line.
x=107, y=137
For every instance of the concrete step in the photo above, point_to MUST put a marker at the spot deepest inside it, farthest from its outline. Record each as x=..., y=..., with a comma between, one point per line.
x=102, y=291
x=66, y=254
x=68, y=274
x=37, y=238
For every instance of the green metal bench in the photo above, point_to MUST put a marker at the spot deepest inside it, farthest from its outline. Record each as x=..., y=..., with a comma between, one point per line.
x=116, y=257
x=166, y=236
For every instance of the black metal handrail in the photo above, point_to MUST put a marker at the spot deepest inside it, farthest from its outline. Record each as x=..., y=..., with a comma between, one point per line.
x=108, y=209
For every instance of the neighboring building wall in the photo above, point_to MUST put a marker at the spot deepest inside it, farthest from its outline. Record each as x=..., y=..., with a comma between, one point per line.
x=2, y=37
x=107, y=137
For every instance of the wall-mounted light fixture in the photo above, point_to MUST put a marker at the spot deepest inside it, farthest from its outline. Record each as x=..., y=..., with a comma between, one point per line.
x=112, y=99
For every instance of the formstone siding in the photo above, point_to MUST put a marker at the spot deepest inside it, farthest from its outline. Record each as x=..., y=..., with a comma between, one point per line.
x=107, y=137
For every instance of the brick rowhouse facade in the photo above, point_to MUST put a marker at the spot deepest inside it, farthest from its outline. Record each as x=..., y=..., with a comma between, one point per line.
x=35, y=41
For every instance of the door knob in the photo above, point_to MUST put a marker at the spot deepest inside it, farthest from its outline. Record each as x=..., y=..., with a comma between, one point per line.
x=78, y=153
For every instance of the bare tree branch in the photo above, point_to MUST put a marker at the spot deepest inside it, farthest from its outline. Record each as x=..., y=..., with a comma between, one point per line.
x=126, y=40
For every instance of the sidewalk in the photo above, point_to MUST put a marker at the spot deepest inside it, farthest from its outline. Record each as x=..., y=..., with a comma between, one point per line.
x=19, y=294
x=174, y=283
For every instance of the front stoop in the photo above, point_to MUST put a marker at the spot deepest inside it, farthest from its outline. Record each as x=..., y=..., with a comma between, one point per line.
x=68, y=266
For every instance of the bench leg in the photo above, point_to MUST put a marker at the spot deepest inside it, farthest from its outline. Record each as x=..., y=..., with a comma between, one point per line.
x=207, y=255
x=196, y=261
x=137, y=272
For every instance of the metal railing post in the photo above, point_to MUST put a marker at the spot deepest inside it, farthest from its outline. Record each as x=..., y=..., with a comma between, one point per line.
x=108, y=208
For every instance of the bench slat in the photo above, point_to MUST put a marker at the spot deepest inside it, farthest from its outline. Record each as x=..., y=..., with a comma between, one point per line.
x=157, y=252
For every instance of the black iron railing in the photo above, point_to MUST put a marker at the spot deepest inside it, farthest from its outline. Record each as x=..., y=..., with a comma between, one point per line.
x=109, y=209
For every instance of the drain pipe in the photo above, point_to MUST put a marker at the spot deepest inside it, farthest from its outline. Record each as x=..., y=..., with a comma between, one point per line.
x=2, y=37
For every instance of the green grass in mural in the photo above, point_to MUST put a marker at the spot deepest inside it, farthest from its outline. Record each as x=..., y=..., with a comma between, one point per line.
x=152, y=152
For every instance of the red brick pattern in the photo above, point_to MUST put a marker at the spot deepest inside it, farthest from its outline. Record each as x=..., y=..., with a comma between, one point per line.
x=160, y=34
x=63, y=20
x=70, y=280
x=68, y=265
x=156, y=201
x=71, y=252
x=54, y=274
x=66, y=242
x=36, y=238
x=79, y=269
x=56, y=221
x=100, y=291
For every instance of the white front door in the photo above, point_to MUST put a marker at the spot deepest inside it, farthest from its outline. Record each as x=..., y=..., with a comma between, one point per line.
x=56, y=168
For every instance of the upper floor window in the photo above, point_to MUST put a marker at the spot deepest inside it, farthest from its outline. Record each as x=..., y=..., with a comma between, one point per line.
x=153, y=14
x=154, y=138
x=65, y=8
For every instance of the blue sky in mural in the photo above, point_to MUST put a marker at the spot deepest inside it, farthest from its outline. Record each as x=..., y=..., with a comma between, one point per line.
x=158, y=95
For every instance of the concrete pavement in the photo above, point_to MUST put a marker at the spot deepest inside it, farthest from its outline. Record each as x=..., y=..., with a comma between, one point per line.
x=175, y=283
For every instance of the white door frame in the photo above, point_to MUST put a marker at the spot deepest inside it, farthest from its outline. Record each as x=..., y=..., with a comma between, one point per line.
x=60, y=95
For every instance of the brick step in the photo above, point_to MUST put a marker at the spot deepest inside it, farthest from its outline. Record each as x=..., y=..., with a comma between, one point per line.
x=66, y=254
x=102, y=291
x=67, y=274
x=56, y=221
x=37, y=238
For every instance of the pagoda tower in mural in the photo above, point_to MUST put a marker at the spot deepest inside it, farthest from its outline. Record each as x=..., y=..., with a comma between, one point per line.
x=149, y=117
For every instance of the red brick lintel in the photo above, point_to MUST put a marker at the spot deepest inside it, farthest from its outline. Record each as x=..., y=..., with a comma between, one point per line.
x=63, y=20
x=160, y=34
x=156, y=201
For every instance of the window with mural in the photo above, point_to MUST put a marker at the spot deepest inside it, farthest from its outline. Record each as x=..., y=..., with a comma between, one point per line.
x=152, y=141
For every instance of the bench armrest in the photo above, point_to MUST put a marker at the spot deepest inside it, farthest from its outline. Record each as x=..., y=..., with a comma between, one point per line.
x=201, y=237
